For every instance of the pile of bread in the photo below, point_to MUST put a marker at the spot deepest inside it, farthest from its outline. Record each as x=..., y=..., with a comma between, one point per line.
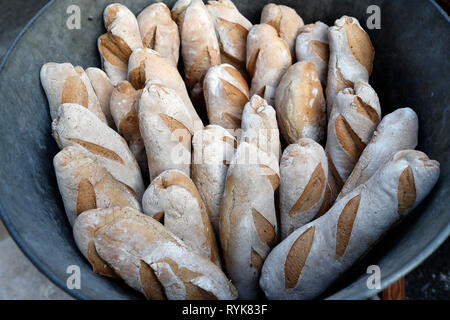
x=227, y=214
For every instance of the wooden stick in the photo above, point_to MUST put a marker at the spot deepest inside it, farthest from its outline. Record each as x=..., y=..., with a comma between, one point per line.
x=395, y=292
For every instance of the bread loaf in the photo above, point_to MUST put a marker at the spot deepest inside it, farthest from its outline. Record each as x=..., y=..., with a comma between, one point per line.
x=312, y=45
x=121, y=39
x=259, y=126
x=248, y=223
x=285, y=20
x=84, y=184
x=226, y=93
x=397, y=131
x=64, y=83
x=232, y=29
x=77, y=126
x=84, y=230
x=147, y=64
x=315, y=255
x=351, y=57
x=300, y=104
x=304, y=191
x=199, y=45
x=354, y=118
x=103, y=88
x=159, y=32
x=166, y=128
x=123, y=105
x=268, y=58
x=173, y=199
x=212, y=151
x=149, y=258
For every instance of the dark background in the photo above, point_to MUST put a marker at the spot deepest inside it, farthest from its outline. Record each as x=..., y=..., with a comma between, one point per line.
x=431, y=280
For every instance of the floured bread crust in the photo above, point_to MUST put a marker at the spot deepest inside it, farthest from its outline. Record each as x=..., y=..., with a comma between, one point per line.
x=173, y=199
x=312, y=45
x=232, y=29
x=317, y=254
x=103, y=88
x=77, y=126
x=64, y=83
x=351, y=57
x=300, y=104
x=122, y=38
x=159, y=32
x=304, y=191
x=248, y=223
x=285, y=20
x=213, y=149
x=268, y=58
x=226, y=93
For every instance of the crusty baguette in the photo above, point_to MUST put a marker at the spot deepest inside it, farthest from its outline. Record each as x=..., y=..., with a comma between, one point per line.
x=314, y=256
x=304, y=190
x=84, y=184
x=84, y=230
x=285, y=20
x=212, y=151
x=300, y=104
x=159, y=32
x=248, y=223
x=64, y=83
x=121, y=39
x=146, y=64
x=166, y=128
x=232, y=29
x=199, y=45
x=351, y=57
x=76, y=125
x=152, y=260
x=312, y=45
x=260, y=127
x=268, y=58
x=226, y=93
x=397, y=131
x=103, y=88
x=355, y=116
x=173, y=199
x=123, y=105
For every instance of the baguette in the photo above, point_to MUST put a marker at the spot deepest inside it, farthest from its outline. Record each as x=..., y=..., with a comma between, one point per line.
x=173, y=199
x=304, y=191
x=285, y=20
x=354, y=118
x=226, y=93
x=77, y=126
x=103, y=88
x=248, y=222
x=259, y=126
x=166, y=128
x=351, y=57
x=213, y=149
x=124, y=103
x=146, y=64
x=300, y=104
x=232, y=30
x=199, y=45
x=397, y=131
x=152, y=260
x=84, y=230
x=159, y=32
x=122, y=38
x=84, y=184
x=314, y=256
x=268, y=58
x=312, y=45
x=64, y=83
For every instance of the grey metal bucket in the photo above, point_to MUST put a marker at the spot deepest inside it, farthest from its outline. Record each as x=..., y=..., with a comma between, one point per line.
x=411, y=69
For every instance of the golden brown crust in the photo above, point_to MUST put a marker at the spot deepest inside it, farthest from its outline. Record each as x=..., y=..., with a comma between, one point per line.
x=406, y=194
x=345, y=225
